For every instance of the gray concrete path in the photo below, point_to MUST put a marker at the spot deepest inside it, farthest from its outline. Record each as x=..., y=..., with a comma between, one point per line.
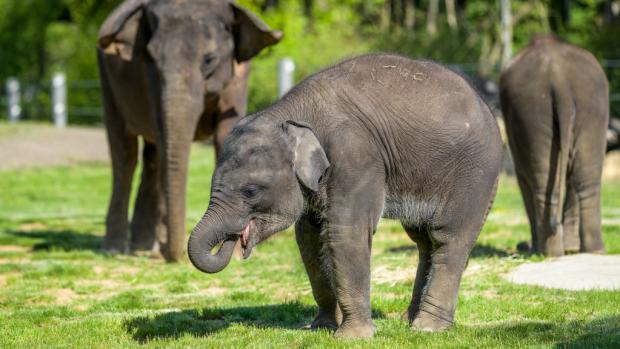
x=573, y=272
x=33, y=145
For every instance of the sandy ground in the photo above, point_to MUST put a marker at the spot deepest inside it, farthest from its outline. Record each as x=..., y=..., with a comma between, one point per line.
x=40, y=145
x=574, y=272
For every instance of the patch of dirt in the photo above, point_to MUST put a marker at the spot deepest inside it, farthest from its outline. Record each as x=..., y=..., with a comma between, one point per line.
x=49, y=146
x=62, y=296
x=126, y=270
x=4, y=278
x=14, y=248
x=611, y=166
x=28, y=227
x=214, y=291
x=383, y=275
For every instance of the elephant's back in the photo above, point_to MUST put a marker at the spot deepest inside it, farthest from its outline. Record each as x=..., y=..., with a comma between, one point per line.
x=548, y=68
x=422, y=116
x=415, y=92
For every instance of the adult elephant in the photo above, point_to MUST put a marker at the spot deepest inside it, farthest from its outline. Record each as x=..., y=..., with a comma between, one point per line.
x=554, y=98
x=171, y=72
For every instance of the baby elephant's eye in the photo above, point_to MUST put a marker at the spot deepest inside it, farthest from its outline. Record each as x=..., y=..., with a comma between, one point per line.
x=251, y=190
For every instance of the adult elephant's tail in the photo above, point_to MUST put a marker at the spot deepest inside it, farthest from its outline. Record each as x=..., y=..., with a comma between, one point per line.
x=564, y=112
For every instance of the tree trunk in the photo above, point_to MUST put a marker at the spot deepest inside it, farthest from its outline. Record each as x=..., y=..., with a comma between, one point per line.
x=451, y=13
x=431, y=16
x=506, y=34
x=410, y=14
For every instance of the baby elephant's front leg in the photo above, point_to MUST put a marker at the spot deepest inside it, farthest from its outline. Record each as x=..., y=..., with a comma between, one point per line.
x=349, y=256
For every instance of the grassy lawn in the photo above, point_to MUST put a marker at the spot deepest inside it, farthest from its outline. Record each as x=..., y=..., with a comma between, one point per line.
x=57, y=290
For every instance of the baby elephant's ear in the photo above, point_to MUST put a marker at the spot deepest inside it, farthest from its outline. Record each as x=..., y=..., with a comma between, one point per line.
x=310, y=162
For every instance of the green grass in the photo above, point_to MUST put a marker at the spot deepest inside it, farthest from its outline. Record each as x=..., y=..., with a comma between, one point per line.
x=57, y=290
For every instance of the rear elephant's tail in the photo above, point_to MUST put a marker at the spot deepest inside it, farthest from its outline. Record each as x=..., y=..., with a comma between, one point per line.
x=563, y=106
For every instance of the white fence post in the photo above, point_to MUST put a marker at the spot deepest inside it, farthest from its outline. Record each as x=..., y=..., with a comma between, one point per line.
x=13, y=99
x=59, y=100
x=286, y=68
x=506, y=31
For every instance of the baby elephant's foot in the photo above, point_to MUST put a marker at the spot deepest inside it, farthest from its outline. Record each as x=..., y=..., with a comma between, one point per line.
x=429, y=323
x=356, y=330
x=327, y=321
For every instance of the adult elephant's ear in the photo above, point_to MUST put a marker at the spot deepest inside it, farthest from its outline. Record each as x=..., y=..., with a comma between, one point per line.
x=310, y=161
x=119, y=33
x=251, y=34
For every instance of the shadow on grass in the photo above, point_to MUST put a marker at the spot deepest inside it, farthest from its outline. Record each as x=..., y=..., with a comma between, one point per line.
x=602, y=332
x=484, y=251
x=66, y=240
x=212, y=320
x=479, y=251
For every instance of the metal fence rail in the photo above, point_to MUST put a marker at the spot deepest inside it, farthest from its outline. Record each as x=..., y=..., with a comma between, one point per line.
x=71, y=101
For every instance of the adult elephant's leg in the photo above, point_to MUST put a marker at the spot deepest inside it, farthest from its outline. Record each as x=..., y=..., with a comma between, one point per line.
x=123, y=152
x=571, y=219
x=587, y=179
x=356, y=204
x=147, y=217
x=308, y=233
x=423, y=242
x=529, y=203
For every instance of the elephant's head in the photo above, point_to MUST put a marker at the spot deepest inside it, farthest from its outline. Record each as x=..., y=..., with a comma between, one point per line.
x=257, y=188
x=193, y=44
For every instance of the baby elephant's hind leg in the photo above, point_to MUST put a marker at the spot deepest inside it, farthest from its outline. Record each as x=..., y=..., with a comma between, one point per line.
x=452, y=239
x=421, y=238
x=439, y=296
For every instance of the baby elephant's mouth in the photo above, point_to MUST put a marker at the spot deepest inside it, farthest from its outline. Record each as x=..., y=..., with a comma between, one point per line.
x=247, y=239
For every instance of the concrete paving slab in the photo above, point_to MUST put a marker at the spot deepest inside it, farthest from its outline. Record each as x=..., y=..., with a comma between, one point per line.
x=574, y=272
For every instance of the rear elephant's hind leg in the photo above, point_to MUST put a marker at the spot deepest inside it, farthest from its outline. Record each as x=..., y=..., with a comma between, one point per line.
x=528, y=201
x=147, y=218
x=586, y=177
x=590, y=217
x=570, y=222
x=421, y=238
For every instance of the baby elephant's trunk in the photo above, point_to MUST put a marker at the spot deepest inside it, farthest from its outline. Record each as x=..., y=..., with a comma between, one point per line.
x=202, y=241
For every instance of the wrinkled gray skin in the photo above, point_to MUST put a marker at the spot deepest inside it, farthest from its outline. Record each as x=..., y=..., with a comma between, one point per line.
x=554, y=97
x=172, y=71
x=375, y=136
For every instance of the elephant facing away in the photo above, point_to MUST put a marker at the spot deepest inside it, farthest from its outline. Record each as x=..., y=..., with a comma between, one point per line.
x=172, y=72
x=375, y=136
x=554, y=98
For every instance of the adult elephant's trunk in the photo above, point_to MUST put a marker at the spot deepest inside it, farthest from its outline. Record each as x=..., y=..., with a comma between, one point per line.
x=204, y=238
x=180, y=111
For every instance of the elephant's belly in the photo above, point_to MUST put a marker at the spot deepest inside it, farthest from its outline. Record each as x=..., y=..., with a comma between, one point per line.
x=408, y=208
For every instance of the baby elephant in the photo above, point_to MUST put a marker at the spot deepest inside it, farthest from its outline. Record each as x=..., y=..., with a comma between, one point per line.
x=375, y=136
x=555, y=102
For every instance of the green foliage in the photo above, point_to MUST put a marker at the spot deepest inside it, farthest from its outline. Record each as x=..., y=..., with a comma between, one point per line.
x=42, y=37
